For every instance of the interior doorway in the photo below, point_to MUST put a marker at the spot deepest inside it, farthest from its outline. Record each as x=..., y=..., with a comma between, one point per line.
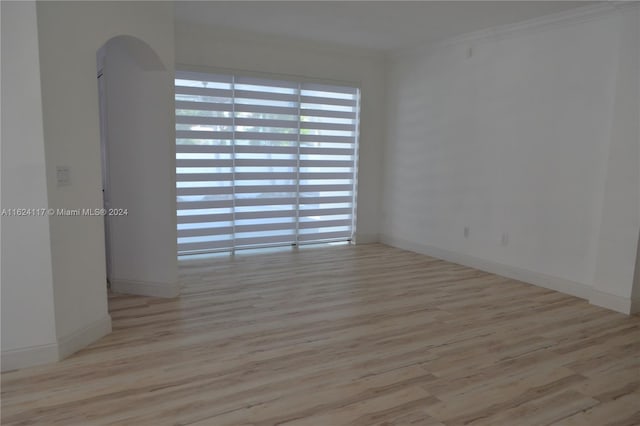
x=137, y=146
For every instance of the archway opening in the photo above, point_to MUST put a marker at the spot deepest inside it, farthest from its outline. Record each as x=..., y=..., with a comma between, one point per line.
x=137, y=138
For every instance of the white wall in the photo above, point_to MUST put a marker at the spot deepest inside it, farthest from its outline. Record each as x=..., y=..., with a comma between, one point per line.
x=635, y=294
x=70, y=34
x=620, y=211
x=140, y=145
x=28, y=323
x=531, y=136
x=222, y=49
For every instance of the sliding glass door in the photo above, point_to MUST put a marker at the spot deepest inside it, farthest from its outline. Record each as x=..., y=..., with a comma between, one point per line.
x=263, y=162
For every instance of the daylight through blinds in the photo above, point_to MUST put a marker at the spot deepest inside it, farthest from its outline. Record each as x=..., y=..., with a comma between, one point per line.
x=263, y=162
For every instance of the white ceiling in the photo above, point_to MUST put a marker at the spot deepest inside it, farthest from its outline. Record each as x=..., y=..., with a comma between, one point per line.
x=369, y=24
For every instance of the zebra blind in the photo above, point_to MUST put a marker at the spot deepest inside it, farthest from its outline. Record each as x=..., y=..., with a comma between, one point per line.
x=263, y=162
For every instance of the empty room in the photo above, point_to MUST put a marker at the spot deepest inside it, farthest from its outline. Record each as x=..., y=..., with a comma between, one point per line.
x=324, y=213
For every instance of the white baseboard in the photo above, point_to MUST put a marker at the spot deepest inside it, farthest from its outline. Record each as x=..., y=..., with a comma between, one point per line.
x=366, y=238
x=14, y=359
x=143, y=288
x=553, y=283
x=615, y=303
x=83, y=337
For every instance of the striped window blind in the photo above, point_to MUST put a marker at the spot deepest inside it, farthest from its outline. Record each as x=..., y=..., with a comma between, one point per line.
x=263, y=162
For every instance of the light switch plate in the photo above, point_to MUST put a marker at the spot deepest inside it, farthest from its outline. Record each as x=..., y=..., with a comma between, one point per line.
x=63, y=176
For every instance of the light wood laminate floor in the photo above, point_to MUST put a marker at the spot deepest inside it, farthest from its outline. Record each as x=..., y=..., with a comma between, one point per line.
x=366, y=335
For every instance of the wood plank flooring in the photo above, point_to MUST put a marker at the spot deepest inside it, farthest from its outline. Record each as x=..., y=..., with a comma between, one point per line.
x=365, y=335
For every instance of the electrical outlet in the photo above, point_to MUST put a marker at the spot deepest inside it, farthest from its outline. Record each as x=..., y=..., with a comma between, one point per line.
x=466, y=232
x=505, y=239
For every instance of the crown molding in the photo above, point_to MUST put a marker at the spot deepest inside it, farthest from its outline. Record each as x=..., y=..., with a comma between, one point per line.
x=543, y=23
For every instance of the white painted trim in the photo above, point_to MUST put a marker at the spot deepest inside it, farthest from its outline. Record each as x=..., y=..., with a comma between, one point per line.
x=609, y=301
x=366, y=238
x=14, y=359
x=543, y=23
x=144, y=288
x=542, y=280
x=83, y=337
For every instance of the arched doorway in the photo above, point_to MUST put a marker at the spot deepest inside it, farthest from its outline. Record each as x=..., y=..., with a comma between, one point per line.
x=138, y=158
